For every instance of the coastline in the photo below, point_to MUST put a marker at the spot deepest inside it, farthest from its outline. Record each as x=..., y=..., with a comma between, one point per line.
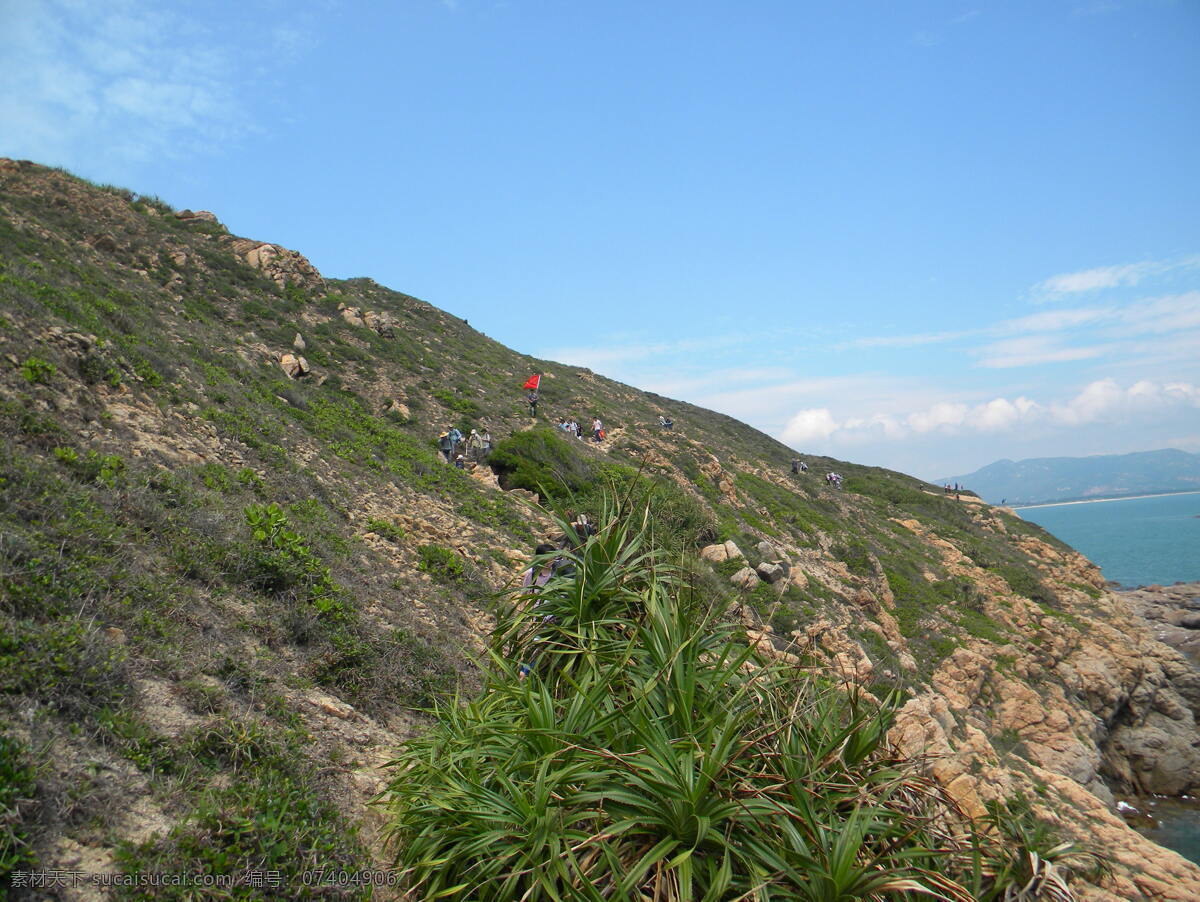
x=1021, y=507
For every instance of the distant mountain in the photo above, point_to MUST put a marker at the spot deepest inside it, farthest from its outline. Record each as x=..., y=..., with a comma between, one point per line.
x=1072, y=478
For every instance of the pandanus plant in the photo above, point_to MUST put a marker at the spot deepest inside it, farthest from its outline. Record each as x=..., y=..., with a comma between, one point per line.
x=654, y=754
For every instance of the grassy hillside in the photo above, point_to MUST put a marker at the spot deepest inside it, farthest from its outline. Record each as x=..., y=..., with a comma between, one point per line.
x=227, y=594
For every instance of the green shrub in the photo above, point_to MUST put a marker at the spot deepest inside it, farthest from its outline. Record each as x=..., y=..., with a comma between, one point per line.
x=17, y=789
x=443, y=565
x=540, y=461
x=38, y=371
x=387, y=529
x=651, y=753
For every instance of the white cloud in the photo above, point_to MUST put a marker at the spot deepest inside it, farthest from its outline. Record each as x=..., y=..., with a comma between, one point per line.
x=1033, y=350
x=1116, y=276
x=100, y=85
x=1094, y=279
x=1100, y=401
x=808, y=426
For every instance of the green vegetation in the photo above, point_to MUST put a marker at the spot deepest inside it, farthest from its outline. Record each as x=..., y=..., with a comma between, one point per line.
x=268, y=818
x=643, y=757
x=35, y=370
x=176, y=513
x=442, y=564
x=17, y=788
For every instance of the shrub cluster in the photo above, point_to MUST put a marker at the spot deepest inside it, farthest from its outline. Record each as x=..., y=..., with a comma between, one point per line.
x=651, y=753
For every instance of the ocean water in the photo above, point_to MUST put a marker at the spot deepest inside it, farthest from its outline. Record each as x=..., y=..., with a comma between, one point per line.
x=1134, y=541
x=1139, y=542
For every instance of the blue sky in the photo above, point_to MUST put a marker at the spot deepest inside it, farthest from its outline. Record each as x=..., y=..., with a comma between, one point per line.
x=924, y=235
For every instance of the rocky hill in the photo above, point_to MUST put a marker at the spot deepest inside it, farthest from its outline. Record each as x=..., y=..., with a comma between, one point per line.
x=1047, y=479
x=234, y=568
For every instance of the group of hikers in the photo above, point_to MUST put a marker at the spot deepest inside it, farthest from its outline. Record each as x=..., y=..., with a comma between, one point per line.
x=571, y=427
x=831, y=478
x=458, y=449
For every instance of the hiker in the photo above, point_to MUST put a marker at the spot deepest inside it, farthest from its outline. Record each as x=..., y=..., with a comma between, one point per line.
x=475, y=445
x=795, y=466
x=486, y=438
x=445, y=445
x=665, y=423
x=533, y=580
x=583, y=529
x=456, y=438
x=460, y=463
x=597, y=430
x=575, y=429
x=803, y=467
x=532, y=397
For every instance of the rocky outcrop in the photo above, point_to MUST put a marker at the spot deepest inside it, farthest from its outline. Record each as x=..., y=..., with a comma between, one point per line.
x=295, y=366
x=280, y=265
x=721, y=552
x=745, y=578
x=1173, y=612
x=381, y=323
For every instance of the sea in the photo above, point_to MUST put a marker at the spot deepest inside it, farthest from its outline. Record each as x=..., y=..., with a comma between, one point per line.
x=1149, y=540
x=1142, y=541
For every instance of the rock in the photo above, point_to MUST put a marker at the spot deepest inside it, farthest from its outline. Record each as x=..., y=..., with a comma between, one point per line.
x=282, y=266
x=769, y=552
x=771, y=572
x=382, y=323
x=718, y=554
x=1190, y=621
x=197, y=216
x=400, y=409
x=532, y=497
x=115, y=634
x=353, y=316
x=105, y=243
x=744, y=578
x=295, y=367
x=732, y=552
x=298, y=342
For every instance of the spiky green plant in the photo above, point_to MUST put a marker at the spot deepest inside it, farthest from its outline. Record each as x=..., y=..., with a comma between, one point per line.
x=652, y=753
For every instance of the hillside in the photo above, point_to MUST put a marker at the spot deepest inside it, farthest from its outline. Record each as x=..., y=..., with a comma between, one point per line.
x=1046, y=479
x=229, y=587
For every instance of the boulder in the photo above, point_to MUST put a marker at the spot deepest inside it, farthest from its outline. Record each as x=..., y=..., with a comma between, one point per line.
x=382, y=323
x=744, y=578
x=295, y=367
x=353, y=316
x=718, y=554
x=732, y=552
x=282, y=266
x=529, y=496
x=197, y=216
x=400, y=409
x=1190, y=621
x=769, y=552
x=771, y=572
x=298, y=342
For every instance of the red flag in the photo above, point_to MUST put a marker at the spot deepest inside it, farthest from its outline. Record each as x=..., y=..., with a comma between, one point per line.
x=532, y=382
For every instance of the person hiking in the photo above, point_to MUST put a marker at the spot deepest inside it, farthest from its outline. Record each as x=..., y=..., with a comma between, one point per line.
x=597, y=430
x=460, y=463
x=532, y=398
x=456, y=437
x=475, y=445
x=803, y=467
x=445, y=445
x=533, y=580
x=795, y=466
